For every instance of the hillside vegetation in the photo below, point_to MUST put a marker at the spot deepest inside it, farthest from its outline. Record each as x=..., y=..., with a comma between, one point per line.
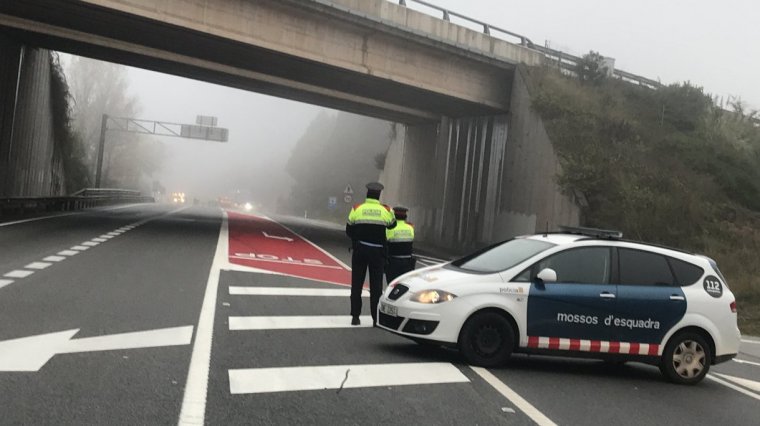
x=665, y=166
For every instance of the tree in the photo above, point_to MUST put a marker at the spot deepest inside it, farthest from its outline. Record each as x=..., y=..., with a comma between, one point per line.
x=592, y=68
x=99, y=88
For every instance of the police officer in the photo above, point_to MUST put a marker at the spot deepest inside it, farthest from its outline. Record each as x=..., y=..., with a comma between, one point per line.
x=400, y=239
x=366, y=227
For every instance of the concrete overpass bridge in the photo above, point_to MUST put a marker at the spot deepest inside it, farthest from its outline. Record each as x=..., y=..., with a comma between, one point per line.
x=458, y=91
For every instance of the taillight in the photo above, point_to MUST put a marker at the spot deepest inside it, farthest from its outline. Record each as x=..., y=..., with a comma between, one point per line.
x=733, y=306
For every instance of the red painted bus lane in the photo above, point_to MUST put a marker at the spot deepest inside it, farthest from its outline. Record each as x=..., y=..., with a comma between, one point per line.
x=261, y=243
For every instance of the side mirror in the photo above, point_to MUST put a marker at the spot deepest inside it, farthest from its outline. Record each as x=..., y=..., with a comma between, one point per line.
x=547, y=275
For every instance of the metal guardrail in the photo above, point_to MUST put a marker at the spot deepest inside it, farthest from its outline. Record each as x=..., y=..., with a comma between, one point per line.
x=86, y=198
x=562, y=60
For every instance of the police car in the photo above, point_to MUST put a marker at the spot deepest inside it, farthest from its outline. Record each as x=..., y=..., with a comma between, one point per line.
x=579, y=292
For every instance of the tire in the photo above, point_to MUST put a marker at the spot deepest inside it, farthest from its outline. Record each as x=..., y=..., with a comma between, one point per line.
x=686, y=358
x=486, y=339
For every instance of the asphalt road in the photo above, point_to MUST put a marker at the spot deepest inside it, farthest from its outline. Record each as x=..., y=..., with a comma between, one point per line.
x=151, y=314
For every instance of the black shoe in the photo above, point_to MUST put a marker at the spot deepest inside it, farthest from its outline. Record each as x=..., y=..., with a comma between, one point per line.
x=355, y=321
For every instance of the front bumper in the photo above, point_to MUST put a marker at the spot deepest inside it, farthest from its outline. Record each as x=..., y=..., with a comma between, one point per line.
x=431, y=322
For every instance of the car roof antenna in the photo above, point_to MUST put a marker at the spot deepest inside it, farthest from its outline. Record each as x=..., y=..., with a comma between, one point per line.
x=546, y=231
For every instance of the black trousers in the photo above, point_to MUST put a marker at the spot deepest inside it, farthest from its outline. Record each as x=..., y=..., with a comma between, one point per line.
x=397, y=267
x=366, y=258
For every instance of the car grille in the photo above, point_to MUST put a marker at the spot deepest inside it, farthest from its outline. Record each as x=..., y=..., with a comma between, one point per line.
x=398, y=291
x=390, y=322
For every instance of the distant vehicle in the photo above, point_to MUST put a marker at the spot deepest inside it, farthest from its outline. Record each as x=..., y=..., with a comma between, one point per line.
x=581, y=292
x=178, y=197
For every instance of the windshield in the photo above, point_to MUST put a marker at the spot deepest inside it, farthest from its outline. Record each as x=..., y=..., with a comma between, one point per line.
x=502, y=256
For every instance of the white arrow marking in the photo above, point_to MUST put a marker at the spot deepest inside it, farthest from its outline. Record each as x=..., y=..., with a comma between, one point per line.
x=33, y=352
x=277, y=237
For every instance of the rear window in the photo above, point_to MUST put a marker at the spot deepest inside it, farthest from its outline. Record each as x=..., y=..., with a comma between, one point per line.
x=502, y=256
x=644, y=268
x=686, y=273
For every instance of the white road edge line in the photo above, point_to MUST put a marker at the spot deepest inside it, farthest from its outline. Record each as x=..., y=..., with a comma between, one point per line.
x=196, y=387
x=38, y=218
x=525, y=406
x=734, y=387
x=754, y=342
x=338, y=261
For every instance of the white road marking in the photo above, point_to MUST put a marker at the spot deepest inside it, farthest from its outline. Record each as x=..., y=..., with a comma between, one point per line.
x=114, y=233
x=257, y=259
x=54, y=258
x=106, y=236
x=338, y=261
x=733, y=386
x=37, y=218
x=90, y=243
x=68, y=252
x=33, y=352
x=749, y=384
x=264, y=380
x=754, y=342
x=99, y=240
x=296, y=322
x=38, y=265
x=80, y=248
x=4, y=283
x=741, y=361
x=18, y=273
x=525, y=406
x=196, y=388
x=289, y=291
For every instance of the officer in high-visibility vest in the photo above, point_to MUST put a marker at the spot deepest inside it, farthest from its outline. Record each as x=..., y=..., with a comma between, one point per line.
x=400, y=239
x=366, y=227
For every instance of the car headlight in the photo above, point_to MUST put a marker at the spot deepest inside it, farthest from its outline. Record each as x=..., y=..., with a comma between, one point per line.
x=248, y=206
x=432, y=296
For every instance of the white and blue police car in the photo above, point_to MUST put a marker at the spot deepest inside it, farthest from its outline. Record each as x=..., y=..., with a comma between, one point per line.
x=579, y=292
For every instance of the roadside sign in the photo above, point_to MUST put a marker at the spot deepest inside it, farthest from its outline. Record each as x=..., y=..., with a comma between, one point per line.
x=348, y=190
x=332, y=202
x=205, y=120
x=348, y=199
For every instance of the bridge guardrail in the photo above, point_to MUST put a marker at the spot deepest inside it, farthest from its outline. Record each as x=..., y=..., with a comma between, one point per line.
x=564, y=61
x=86, y=198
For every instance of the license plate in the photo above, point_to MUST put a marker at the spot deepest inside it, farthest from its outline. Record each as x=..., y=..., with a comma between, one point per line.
x=389, y=310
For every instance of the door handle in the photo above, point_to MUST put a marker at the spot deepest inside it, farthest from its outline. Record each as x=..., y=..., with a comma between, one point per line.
x=676, y=297
x=606, y=295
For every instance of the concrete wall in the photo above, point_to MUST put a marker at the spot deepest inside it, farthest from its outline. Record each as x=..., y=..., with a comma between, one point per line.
x=29, y=162
x=476, y=180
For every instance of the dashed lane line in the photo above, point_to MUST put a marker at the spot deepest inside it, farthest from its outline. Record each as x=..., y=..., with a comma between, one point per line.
x=287, y=291
x=38, y=265
x=90, y=243
x=513, y=396
x=80, y=248
x=4, y=283
x=99, y=240
x=67, y=252
x=54, y=258
x=18, y=273
x=296, y=322
x=267, y=380
x=193, y=410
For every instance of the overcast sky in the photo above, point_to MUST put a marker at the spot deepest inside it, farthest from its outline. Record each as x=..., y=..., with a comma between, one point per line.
x=712, y=44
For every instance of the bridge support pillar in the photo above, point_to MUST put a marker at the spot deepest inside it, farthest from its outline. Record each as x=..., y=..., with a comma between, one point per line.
x=10, y=66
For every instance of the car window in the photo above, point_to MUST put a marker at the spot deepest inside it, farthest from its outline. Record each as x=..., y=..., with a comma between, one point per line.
x=639, y=267
x=502, y=256
x=587, y=265
x=686, y=273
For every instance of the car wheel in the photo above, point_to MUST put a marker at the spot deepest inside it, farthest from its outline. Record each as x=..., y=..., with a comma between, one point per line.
x=686, y=359
x=486, y=339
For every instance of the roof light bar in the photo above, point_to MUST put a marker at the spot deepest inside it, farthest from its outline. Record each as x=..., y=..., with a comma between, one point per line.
x=592, y=232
